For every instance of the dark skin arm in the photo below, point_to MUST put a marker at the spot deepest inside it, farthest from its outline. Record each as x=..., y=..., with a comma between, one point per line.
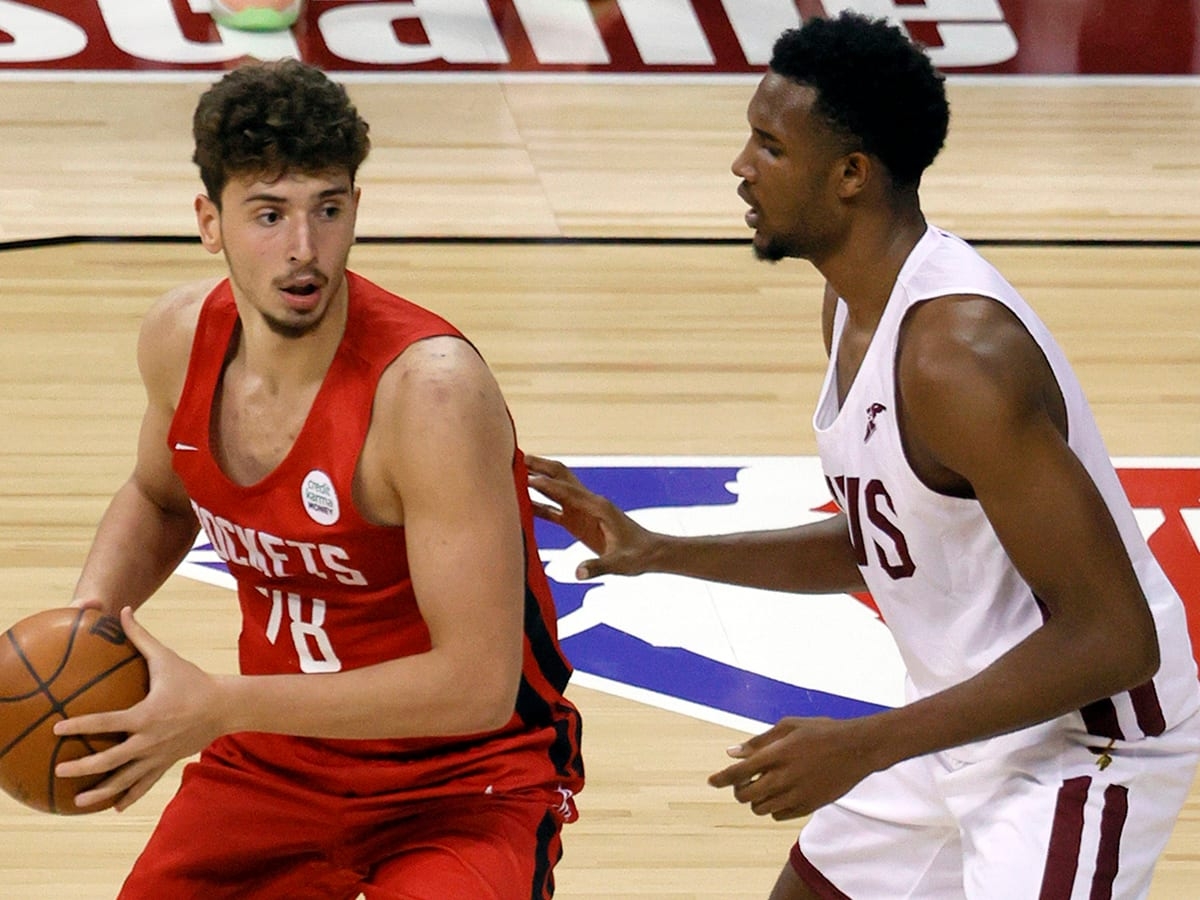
x=811, y=558
x=982, y=417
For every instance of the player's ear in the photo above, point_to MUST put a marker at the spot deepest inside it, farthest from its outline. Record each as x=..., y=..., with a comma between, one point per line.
x=856, y=172
x=208, y=221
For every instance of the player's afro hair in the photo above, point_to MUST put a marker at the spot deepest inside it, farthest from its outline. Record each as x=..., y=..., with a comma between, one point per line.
x=873, y=85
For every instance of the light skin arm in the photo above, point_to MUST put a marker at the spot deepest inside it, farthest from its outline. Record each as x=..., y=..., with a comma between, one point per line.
x=441, y=465
x=149, y=525
x=446, y=473
x=978, y=405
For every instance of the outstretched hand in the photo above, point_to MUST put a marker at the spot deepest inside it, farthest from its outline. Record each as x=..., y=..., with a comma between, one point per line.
x=176, y=719
x=622, y=546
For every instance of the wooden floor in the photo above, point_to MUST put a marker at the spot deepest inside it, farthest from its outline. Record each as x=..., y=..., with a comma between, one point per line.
x=601, y=347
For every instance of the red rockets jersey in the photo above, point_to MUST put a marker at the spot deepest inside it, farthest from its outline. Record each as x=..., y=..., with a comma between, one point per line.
x=323, y=590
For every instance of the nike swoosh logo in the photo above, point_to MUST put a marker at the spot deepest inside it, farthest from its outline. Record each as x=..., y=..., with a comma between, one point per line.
x=185, y=447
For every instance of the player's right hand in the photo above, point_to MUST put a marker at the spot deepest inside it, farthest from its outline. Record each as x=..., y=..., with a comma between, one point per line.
x=622, y=546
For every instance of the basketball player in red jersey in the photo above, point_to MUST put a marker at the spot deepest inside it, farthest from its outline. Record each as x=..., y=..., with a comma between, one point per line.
x=1051, y=734
x=398, y=727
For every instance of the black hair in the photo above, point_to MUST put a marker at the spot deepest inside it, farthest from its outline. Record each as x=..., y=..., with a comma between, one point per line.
x=874, y=86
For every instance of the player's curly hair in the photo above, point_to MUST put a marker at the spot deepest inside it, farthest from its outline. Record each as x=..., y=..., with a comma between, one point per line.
x=874, y=86
x=269, y=118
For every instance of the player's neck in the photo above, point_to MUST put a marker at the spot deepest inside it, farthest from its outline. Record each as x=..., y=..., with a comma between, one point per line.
x=290, y=359
x=865, y=269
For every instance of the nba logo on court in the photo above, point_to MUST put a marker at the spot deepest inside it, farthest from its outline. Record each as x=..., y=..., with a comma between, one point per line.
x=744, y=657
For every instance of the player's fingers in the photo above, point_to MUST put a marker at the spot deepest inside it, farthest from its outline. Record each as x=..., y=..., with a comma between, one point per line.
x=550, y=467
x=560, y=491
x=117, y=785
x=139, y=636
x=781, y=805
x=101, y=793
x=112, y=722
x=591, y=568
x=737, y=775
x=759, y=741
x=139, y=789
x=106, y=760
x=547, y=512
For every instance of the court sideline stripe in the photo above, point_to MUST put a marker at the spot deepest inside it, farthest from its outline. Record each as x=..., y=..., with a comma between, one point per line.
x=552, y=240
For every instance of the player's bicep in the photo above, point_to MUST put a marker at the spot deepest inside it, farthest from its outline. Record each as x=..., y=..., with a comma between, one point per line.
x=1056, y=528
x=164, y=346
x=451, y=465
x=982, y=400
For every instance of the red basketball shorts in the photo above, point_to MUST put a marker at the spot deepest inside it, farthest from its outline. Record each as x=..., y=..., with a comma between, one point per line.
x=229, y=833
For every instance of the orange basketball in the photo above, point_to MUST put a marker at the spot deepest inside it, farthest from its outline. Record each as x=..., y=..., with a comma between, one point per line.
x=54, y=665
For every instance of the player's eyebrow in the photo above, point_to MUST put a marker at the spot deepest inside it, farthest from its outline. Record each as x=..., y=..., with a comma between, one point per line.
x=763, y=135
x=268, y=197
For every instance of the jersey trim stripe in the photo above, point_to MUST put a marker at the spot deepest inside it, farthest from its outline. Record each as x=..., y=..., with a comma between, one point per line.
x=551, y=663
x=1100, y=719
x=549, y=852
x=1148, y=710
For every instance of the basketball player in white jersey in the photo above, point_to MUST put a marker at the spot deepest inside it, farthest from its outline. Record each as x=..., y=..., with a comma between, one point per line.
x=1051, y=734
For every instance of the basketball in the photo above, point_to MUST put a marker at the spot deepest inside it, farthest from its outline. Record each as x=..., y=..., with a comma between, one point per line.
x=53, y=665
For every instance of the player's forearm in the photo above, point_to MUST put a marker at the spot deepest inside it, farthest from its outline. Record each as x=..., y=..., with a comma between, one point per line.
x=815, y=558
x=137, y=545
x=426, y=695
x=1056, y=670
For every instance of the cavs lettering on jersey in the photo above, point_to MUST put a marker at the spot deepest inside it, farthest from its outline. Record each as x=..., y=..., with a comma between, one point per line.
x=323, y=590
x=942, y=581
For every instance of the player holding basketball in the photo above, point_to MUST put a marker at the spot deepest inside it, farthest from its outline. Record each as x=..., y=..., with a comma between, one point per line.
x=1051, y=735
x=398, y=726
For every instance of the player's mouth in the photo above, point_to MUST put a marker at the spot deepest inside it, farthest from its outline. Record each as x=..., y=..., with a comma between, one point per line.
x=301, y=294
x=752, y=214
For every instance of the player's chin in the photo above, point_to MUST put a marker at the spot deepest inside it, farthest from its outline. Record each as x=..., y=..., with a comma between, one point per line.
x=768, y=248
x=293, y=323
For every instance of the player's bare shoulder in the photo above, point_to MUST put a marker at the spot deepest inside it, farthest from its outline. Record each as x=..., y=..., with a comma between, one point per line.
x=969, y=377
x=962, y=342
x=438, y=411
x=167, y=331
x=443, y=384
x=435, y=371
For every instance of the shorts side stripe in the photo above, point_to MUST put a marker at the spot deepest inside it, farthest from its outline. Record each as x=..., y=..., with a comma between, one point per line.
x=1066, y=834
x=811, y=876
x=1108, y=856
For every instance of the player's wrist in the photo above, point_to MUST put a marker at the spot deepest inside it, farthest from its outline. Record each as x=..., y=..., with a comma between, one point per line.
x=230, y=706
x=875, y=741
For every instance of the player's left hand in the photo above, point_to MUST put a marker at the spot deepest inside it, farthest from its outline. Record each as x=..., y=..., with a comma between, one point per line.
x=175, y=720
x=796, y=767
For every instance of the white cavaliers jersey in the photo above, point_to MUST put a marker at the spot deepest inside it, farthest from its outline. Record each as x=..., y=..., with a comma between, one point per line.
x=945, y=586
